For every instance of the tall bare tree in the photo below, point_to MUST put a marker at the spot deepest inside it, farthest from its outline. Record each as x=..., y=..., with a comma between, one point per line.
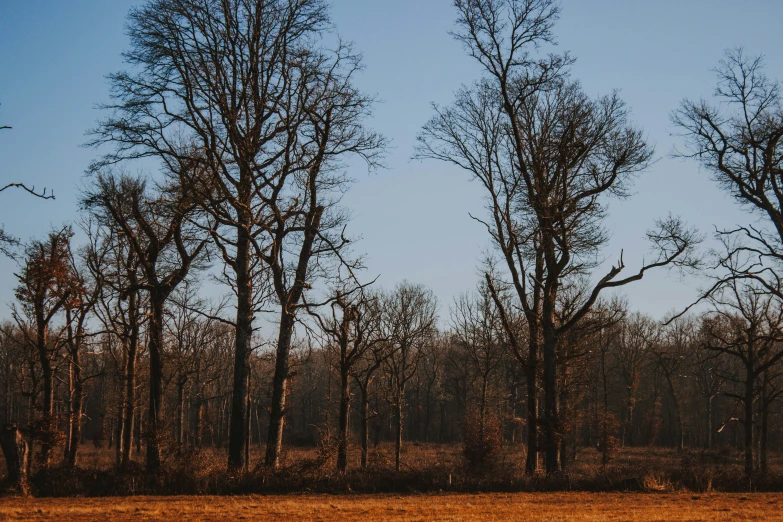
x=555, y=156
x=167, y=247
x=249, y=87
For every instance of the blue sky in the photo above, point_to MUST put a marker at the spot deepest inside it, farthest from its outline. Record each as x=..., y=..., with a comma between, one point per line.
x=412, y=216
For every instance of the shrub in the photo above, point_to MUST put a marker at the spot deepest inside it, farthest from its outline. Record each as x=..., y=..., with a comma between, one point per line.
x=483, y=440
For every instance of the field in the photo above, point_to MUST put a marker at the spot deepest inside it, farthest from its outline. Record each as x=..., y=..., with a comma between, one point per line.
x=518, y=506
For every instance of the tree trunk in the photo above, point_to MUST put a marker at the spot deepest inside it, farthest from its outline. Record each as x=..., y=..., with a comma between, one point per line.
x=76, y=399
x=749, y=421
x=345, y=404
x=117, y=430
x=531, y=462
x=244, y=332
x=128, y=410
x=137, y=430
x=551, y=424
x=180, y=413
x=15, y=451
x=47, y=424
x=156, y=382
x=69, y=408
x=364, y=427
x=75, y=423
x=274, y=443
x=129, y=407
x=399, y=410
x=709, y=422
x=764, y=431
x=248, y=427
x=198, y=406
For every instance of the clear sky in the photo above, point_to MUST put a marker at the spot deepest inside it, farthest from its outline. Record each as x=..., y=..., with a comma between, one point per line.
x=413, y=216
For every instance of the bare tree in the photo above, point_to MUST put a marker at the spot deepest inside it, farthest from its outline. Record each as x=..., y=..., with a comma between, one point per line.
x=635, y=342
x=167, y=246
x=410, y=321
x=478, y=331
x=354, y=329
x=114, y=266
x=86, y=292
x=250, y=88
x=560, y=152
x=192, y=332
x=748, y=326
x=46, y=284
x=709, y=371
x=365, y=368
x=671, y=353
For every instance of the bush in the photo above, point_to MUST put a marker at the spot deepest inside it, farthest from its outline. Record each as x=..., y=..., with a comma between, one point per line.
x=483, y=441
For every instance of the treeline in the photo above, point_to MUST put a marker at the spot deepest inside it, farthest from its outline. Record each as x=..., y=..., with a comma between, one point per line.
x=250, y=111
x=378, y=370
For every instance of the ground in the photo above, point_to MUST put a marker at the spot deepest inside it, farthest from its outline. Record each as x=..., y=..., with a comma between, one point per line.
x=366, y=508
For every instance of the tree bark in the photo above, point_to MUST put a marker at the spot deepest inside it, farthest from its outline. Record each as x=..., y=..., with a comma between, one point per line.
x=345, y=404
x=244, y=332
x=551, y=424
x=749, y=378
x=156, y=381
x=531, y=462
x=274, y=444
x=709, y=422
x=180, y=427
x=128, y=411
x=15, y=451
x=47, y=422
x=364, y=427
x=764, y=431
x=75, y=422
x=399, y=410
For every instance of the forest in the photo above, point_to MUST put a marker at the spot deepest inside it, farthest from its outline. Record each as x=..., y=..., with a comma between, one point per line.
x=221, y=161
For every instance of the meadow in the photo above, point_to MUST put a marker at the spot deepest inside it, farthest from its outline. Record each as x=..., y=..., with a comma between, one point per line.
x=511, y=506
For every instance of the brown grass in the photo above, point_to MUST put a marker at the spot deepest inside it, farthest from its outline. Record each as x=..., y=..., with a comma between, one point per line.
x=516, y=506
x=427, y=468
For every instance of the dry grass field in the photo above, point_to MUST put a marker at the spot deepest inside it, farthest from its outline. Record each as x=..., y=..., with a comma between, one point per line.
x=518, y=506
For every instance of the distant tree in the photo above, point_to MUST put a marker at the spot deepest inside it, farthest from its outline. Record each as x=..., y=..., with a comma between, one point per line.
x=676, y=342
x=635, y=340
x=120, y=311
x=353, y=327
x=191, y=335
x=167, y=244
x=478, y=331
x=747, y=324
x=86, y=291
x=410, y=315
x=365, y=369
x=709, y=373
x=46, y=284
